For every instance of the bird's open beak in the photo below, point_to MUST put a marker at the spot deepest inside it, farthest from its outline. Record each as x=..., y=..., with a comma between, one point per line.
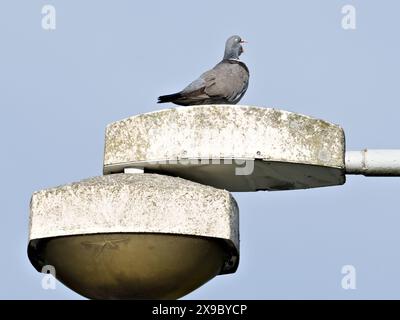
x=243, y=41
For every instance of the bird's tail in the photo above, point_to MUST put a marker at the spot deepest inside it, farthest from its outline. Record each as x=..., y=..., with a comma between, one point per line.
x=169, y=97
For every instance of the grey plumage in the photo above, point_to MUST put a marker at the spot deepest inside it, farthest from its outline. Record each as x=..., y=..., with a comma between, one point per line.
x=226, y=83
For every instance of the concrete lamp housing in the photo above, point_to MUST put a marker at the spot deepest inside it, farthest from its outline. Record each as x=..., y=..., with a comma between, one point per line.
x=237, y=148
x=134, y=236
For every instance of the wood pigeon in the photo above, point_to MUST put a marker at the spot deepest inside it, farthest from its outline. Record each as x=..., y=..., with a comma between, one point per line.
x=226, y=83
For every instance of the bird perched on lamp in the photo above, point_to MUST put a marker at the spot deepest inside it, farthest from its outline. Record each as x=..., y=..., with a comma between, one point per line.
x=226, y=83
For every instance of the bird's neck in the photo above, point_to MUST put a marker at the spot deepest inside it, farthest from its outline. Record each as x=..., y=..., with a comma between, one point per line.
x=235, y=60
x=232, y=58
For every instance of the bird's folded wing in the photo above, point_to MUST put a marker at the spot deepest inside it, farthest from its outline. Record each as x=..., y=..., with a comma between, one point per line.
x=230, y=81
x=225, y=82
x=197, y=89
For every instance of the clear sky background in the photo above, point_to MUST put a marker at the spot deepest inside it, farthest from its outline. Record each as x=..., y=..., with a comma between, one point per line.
x=108, y=60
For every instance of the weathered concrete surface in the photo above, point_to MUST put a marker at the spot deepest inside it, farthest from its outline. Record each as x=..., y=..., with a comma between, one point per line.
x=136, y=203
x=288, y=150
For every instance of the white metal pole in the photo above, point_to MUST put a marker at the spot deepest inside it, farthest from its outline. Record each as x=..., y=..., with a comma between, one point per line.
x=373, y=162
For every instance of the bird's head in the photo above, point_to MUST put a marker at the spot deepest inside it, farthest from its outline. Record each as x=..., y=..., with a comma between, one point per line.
x=233, y=47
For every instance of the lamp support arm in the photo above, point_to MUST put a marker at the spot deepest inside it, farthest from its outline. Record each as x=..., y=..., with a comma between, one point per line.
x=369, y=162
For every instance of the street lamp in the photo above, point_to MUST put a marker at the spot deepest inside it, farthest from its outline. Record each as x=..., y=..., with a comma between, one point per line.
x=160, y=222
x=126, y=236
x=237, y=148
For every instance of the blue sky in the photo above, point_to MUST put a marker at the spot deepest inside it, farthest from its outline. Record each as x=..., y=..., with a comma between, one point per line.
x=108, y=60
